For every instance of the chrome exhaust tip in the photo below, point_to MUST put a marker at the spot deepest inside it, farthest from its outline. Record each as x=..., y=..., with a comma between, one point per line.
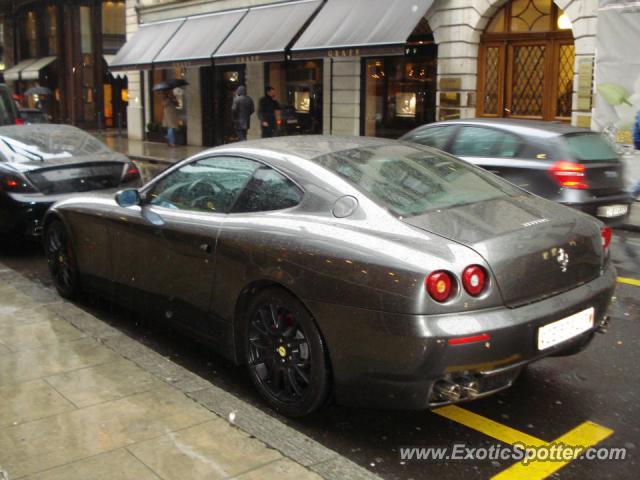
x=448, y=390
x=603, y=327
x=470, y=389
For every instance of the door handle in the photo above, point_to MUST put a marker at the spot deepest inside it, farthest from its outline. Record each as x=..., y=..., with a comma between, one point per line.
x=206, y=247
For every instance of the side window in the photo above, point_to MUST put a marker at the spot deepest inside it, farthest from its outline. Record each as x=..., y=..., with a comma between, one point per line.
x=268, y=190
x=484, y=142
x=208, y=185
x=436, y=137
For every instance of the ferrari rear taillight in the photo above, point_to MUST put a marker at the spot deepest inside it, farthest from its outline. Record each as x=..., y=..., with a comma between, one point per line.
x=569, y=174
x=606, y=233
x=131, y=173
x=440, y=285
x=474, y=280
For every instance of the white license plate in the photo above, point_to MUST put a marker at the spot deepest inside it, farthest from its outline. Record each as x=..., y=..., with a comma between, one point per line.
x=292, y=121
x=610, y=211
x=561, y=330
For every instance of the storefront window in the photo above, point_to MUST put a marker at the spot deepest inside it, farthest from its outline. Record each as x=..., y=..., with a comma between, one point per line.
x=51, y=30
x=298, y=88
x=113, y=18
x=29, y=37
x=399, y=94
x=179, y=93
x=86, y=42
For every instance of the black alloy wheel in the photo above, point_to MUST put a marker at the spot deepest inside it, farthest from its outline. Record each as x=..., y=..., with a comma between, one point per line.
x=61, y=259
x=286, y=354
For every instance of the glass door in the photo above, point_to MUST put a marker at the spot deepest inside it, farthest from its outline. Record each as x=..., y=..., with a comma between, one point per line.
x=228, y=79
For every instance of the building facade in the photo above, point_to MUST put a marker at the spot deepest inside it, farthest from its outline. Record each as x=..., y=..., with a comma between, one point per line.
x=64, y=46
x=459, y=59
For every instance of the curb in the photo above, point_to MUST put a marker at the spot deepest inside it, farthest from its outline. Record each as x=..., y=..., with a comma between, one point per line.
x=291, y=443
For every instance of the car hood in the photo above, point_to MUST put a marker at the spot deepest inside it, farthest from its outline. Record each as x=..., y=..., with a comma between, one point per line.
x=534, y=247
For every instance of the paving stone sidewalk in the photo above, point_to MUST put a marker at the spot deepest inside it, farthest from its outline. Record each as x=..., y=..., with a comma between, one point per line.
x=79, y=399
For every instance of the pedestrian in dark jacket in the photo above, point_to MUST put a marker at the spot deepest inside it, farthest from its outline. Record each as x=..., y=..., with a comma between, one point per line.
x=241, y=111
x=267, y=112
x=636, y=143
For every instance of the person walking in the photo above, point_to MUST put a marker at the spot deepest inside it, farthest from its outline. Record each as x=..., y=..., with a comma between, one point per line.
x=170, y=116
x=636, y=144
x=267, y=112
x=241, y=111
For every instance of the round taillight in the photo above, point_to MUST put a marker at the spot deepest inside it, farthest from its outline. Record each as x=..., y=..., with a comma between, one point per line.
x=439, y=285
x=474, y=279
x=606, y=234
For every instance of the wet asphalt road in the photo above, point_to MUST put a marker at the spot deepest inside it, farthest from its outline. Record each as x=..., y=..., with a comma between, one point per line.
x=552, y=397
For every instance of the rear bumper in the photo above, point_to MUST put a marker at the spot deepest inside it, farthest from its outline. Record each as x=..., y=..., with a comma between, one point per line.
x=389, y=360
x=592, y=205
x=22, y=215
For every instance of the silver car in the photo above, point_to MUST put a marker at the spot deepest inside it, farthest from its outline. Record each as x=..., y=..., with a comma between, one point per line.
x=386, y=272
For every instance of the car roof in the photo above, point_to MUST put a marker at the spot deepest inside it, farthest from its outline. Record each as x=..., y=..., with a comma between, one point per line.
x=306, y=147
x=537, y=128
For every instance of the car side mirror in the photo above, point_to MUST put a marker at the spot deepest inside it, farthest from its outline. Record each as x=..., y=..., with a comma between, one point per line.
x=128, y=197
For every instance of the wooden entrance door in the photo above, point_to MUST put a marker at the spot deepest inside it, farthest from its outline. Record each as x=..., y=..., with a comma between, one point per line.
x=526, y=64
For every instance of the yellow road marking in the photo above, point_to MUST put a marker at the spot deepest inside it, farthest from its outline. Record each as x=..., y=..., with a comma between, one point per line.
x=488, y=427
x=629, y=281
x=585, y=435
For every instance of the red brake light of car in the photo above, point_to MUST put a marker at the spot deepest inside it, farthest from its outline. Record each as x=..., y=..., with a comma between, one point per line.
x=131, y=173
x=440, y=285
x=15, y=184
x=19, y=121
x=474, y=280
x=606, y=233
x=483, y=337
x=569, y=174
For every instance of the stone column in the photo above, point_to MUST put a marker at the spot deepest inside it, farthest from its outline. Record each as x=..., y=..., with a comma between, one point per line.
x=194, y=106
x=135, y=116
x=345, y=85
x=254, y=78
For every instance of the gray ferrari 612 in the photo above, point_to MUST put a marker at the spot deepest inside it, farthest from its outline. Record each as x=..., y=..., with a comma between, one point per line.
x=386, y=273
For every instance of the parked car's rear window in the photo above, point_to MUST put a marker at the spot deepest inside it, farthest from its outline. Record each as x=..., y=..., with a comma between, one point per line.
x=589, y=147
x=410, y=181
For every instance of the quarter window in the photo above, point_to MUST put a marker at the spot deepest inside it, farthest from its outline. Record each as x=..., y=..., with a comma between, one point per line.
x=436, y=137
x=484, y=142
x=208, y=185
x=268, y=190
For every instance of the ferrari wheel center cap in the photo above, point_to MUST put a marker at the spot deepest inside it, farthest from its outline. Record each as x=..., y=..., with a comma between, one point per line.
x=282, y=351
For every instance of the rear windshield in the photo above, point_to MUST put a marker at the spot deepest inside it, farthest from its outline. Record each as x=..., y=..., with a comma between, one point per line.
x=589, y=147
x=410, y=181
x=28, y=143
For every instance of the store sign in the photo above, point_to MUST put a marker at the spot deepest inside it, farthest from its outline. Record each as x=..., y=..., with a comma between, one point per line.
x=248, y=59
x=450, y=83
x=449, y=99
x=585, y=84
x=344, y=52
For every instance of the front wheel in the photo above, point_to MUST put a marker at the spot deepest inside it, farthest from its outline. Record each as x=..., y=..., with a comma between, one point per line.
x=285, y=353
x=61, y=259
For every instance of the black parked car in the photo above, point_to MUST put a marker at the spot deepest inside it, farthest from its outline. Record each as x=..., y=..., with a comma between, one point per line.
x=570, y=165
x=33, y=115
x=40, y=164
